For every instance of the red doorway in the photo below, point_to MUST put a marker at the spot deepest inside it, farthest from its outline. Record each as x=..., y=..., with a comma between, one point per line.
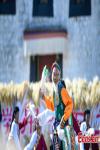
x=38, y=62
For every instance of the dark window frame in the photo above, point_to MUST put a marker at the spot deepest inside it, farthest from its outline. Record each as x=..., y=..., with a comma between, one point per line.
x=8, y=7
x=79, y=9
x=42, y=9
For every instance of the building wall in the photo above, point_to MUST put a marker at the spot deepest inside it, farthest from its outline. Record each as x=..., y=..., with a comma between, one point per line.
x=81, y=57
x=83, y=45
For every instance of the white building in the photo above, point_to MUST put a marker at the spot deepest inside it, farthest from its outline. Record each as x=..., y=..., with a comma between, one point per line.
x=36, y=32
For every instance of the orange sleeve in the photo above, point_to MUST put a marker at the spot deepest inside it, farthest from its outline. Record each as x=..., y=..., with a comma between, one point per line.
x=49, y=102
x=68, y=103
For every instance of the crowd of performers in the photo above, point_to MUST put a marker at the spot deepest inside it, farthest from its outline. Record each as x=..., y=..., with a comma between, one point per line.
x=55, y=117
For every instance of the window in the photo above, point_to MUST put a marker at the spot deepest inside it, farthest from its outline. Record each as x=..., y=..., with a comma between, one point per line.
x=7, y=7
x=79, y=8
x=43, y=8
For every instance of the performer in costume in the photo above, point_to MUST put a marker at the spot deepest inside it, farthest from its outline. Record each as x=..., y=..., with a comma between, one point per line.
x=13, y=138
x=61, y=102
